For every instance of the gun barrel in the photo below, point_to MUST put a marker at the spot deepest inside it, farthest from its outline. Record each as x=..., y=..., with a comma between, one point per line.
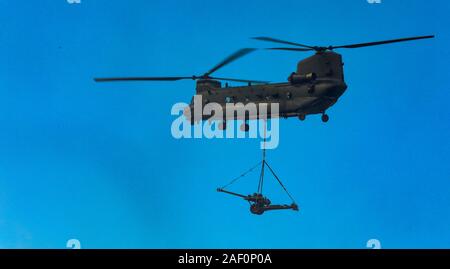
x=232, y=193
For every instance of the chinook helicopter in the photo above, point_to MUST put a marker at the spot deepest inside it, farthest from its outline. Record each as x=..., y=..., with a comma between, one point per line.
x=316, y=85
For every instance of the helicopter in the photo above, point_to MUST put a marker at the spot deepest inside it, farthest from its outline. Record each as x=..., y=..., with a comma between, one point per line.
x=317, y=84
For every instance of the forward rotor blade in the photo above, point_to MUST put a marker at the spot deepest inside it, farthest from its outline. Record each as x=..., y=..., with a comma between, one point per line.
x=292, y=49
x=241, y=80
x=141, y=79
x=238, y=54
x=381, y=42
x=269, y=39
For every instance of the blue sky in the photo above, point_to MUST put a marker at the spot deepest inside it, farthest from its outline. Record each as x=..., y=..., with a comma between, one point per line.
x=98, y=162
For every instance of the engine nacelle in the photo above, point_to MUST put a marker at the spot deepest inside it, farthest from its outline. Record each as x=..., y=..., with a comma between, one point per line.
x=295, y=78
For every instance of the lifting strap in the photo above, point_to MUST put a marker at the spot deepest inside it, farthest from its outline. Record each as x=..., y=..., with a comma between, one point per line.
x=263, y=163
x=261, y=176
x=241, y=176
x=279, y=181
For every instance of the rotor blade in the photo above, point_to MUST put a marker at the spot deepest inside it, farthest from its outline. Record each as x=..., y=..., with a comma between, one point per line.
x=141, y=79
x=238, y=54
x=269, y=39
x=292, y=49
x=381, y=42
x=240, y=80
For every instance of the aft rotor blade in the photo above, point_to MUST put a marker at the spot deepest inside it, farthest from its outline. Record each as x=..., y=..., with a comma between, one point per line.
x=240, y=80
x=141, y=79
x=353, y=46
x=270, y=39
x=291, y=49
x=238, y=54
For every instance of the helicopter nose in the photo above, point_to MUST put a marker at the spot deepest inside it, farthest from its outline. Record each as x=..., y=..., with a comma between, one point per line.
x=187, y=112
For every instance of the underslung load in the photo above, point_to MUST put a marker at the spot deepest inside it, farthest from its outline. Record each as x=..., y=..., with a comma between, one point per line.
x=258, y=202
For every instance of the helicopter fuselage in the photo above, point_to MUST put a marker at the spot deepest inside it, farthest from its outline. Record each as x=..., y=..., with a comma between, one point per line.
x=315, y=87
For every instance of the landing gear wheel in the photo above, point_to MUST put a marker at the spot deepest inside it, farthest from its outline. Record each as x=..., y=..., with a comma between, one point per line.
x=302, y=117
x=325, y=117
x=222, y=125
x=245, y=127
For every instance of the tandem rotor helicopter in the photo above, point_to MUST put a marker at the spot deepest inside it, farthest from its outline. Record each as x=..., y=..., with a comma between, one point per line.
x=312, y=89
